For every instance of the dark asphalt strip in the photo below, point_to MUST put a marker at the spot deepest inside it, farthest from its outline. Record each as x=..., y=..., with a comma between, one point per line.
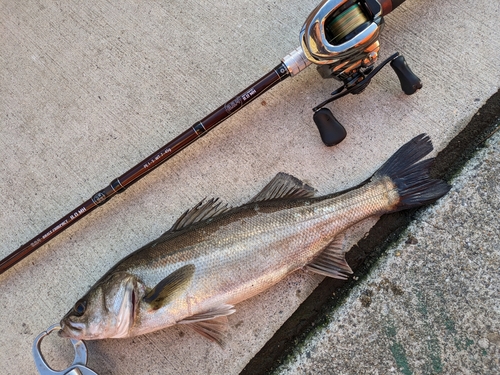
x=332, y=293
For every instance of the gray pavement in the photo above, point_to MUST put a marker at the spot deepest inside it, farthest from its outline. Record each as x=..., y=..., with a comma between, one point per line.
x=87, y=90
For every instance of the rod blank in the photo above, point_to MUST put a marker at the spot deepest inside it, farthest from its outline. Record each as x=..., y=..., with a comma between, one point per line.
x=278, y=74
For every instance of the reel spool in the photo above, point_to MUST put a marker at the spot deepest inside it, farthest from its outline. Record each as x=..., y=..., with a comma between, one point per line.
x=340, y=27
x=341, y=38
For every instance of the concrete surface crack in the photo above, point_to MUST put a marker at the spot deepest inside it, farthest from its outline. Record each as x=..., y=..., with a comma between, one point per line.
x=437, y=227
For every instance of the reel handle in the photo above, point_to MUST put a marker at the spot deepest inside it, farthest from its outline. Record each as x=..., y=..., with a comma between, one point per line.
x=410, y=83
x=330, y=129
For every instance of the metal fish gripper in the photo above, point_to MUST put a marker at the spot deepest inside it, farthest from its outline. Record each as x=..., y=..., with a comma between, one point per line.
x=79, y=365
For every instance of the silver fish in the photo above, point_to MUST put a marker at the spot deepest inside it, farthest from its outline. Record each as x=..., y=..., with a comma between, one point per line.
x=215, y=256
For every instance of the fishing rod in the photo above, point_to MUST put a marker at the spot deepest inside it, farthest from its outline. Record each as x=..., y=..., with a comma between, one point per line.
x=339, y=36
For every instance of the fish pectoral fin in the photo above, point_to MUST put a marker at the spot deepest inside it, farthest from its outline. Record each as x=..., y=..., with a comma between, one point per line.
x=170, y=287
x=214, y=330
x=282, y=186
x=212, y=323
x=331, y=262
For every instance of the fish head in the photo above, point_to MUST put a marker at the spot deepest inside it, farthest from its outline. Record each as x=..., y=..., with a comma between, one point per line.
x=108, y=310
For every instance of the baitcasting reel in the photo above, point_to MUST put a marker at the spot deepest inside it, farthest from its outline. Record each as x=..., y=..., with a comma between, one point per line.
x=341, y=37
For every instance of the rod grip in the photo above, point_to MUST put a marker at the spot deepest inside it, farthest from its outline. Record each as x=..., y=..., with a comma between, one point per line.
x=389, y=5
x=396, y=3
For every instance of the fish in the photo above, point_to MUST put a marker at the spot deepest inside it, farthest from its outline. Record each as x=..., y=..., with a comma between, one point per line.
x=215, y=256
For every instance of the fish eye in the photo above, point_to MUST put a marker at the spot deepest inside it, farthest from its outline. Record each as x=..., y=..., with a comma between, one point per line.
x=80, y=307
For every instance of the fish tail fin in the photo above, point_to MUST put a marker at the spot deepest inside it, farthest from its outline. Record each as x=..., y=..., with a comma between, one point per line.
x=411, y=176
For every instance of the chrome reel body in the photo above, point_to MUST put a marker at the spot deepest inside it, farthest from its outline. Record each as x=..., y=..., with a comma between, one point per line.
x=341, y=36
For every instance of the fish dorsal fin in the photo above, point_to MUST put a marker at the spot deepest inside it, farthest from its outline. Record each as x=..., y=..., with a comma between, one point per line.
x=212, y=323
x=331, y=262
x=170, y=287
x=202, y=211
x=284, y=185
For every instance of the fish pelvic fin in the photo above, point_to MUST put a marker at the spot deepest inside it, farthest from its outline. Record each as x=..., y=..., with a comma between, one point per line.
x=215, y=330
x=211, y=324
x=170, y=287
x=283, y=186
x=411, y=176
x=331, y=261
x=221, y=310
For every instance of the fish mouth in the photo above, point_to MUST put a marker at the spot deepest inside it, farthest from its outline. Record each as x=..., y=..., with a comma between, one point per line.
x=71, y=330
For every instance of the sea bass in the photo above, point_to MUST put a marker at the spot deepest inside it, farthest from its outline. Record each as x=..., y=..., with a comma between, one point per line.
x=215, y=256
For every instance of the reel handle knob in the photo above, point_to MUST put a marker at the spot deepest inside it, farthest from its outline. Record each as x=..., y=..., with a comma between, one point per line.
x=330, y=130
x=410, y=83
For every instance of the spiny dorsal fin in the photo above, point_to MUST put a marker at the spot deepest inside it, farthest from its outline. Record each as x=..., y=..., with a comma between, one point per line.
x=284, y=185
x=202, y=211
x=331, y=262
x=170, y=287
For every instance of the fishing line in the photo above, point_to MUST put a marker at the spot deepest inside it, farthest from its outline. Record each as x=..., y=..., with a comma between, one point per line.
x=345, y=23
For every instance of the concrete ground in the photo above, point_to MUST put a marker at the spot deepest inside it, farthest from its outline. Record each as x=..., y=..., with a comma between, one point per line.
x=90, y=89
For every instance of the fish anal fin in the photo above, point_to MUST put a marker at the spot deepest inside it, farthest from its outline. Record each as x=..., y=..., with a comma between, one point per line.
x=282, y=186
x=170, y=287
x=331, y=262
